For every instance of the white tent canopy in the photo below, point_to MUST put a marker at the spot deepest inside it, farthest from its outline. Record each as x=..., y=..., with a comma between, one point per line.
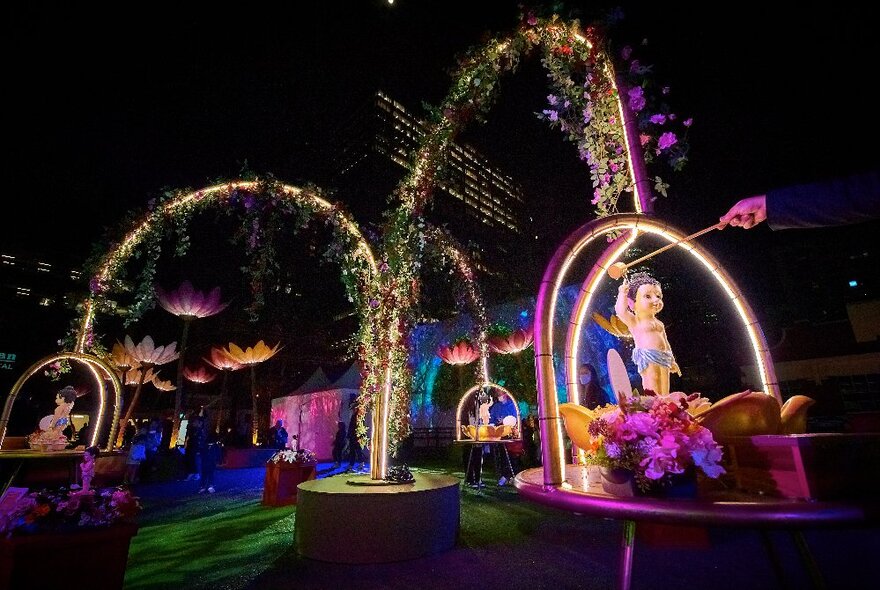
x=312, y=411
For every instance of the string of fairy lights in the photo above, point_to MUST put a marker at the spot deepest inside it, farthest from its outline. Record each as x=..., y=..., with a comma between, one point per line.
x=386, y=288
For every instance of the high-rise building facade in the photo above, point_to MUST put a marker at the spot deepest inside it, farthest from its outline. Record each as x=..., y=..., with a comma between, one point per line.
x=482, y=207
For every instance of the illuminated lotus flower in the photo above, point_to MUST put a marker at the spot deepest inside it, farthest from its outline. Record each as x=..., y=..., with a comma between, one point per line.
x=133, y=377
x=221, y=361
x=120, y=358
x=460, y=354
x=516, y=342
x=199, y=374
x=252, y=355
x=162, y=385
x=188, y=303
x=147, y=353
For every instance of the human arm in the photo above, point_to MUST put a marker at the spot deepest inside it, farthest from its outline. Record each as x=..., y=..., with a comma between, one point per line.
x=841, y=201
x=620, y=307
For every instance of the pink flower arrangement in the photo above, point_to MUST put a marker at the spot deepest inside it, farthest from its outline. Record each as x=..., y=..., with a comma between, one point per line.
x=63, y=510
x=654, y=436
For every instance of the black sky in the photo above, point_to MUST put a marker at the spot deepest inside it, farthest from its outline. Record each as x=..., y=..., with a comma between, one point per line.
x=103, y=111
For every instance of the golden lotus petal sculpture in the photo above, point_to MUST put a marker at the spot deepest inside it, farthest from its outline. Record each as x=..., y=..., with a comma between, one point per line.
x=794, y=414
x=751, y=413
x=746, y=413
x=486, y=432
x=576, y=419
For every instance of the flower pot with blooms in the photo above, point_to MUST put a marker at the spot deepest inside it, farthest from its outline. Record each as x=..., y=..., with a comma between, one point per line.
x=285, y=470
x=653, y=439
x=96, y=526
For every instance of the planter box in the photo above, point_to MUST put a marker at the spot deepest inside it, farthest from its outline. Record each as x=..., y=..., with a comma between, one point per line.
x=97, y=557
x=822, y=466
x=279, y=486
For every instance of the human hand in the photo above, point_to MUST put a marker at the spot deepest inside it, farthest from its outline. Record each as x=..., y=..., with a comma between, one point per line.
x=675, y=369
x=746, y=214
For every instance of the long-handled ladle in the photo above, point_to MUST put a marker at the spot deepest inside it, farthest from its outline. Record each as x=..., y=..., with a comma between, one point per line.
x=617, y=270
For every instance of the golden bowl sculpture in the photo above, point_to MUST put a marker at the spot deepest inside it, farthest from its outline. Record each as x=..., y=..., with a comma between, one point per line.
x=487, y=431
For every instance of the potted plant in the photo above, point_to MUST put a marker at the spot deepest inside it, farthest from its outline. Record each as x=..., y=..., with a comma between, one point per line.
x=285, y=470
x=44, y=526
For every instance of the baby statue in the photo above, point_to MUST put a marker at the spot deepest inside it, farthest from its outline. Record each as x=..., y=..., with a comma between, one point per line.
x=87, y=468
x=639, y=300
x=51, y=429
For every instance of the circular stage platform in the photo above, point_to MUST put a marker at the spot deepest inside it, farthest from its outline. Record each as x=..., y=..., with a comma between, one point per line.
x=344, y=523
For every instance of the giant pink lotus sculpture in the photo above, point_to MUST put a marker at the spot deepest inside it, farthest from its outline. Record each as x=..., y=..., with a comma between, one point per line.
x=147, y=355
x=462, y=353
x=188, y=304
x=459, y=355
x=516, y=342
x=251, y=357
x=198, y=374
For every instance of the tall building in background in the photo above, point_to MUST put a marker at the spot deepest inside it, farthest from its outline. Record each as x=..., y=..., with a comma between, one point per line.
x=35, y=299
x=480, y=205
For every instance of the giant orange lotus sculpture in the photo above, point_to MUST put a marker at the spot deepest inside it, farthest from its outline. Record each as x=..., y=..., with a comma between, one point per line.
x=251, y=357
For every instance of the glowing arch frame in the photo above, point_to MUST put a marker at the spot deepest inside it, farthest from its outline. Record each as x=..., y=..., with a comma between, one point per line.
x=95, y=366
x=474, y=388
x=554, y=275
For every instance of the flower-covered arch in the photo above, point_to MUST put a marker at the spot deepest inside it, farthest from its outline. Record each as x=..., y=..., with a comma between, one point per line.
x=360, y=270
x=609, y=140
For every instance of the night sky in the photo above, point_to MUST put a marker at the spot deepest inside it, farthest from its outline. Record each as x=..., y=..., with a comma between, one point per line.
x=100, y=117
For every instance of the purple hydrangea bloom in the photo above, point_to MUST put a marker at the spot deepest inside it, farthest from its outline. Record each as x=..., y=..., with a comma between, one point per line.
x=636, y=99
x=667, y=140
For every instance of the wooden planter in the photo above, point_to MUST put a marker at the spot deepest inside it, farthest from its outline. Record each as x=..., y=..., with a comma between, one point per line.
x=279, y=486
x=96, y=557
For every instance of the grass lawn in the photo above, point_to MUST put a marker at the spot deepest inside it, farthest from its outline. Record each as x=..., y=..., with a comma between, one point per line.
x=229, y=540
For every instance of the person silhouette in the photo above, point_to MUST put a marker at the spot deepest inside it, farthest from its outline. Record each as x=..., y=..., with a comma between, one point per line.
x=355, y=451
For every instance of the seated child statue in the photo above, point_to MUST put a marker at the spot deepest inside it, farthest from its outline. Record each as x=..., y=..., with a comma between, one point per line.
x=52, y=427
x=639, y=300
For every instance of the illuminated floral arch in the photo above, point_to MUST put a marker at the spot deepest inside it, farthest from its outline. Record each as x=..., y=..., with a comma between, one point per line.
x=616, y=144
x=360, y=270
